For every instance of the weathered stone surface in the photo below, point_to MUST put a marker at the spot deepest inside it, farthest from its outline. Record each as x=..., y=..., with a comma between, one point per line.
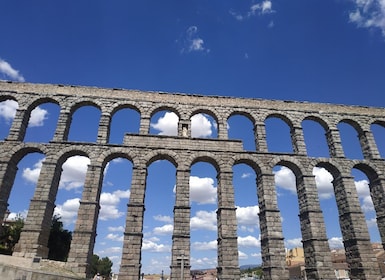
x=183, y=150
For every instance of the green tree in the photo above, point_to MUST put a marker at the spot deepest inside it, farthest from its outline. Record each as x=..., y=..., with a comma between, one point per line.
x=101, y=265
x=10, y=234
x=59, y=240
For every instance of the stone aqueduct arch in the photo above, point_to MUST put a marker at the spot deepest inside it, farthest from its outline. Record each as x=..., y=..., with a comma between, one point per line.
x=183, y=150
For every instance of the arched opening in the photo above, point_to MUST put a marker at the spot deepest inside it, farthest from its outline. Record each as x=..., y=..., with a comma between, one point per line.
x=361, y=181
x=203, y=224
x=246, y=202
x=315, y=140
x=85, y=124
x=7, y=113
x=328, y=206
x=349, y=193
x=70, y=190
x=113, y=207
x=378, y=130
x=287, y=199
x=278, y=137
x=204, y=125
x=158, y=217
x=350, y=141
x=22, y=192
x=164, y=122
x=241, y=127
x=123, y=121
x=42, y=123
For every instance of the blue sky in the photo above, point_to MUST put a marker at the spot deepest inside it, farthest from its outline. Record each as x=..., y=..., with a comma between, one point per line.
x=318, y=51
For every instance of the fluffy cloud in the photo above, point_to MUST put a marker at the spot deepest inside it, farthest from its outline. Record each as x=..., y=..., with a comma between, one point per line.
x=264, y=7
x=363, y=191
x=192, y=42
x=203, y=263
x=164, y=230
x=372, y=223
x=336, y=242
x=201, y=126
x=202, y=190
x=293, y=243
x=284, y=178
x=68, y=211
x=115, y=237
x=248, y=241
x=324, y=182
x=369, y=14
x=150, y=245
x=245, y=175
x=242, y=256
x=13, y=216
x=109, y=203
x=204, y=220
x=204, y=246
x=115, y=229
x=167, y=125
x=8, y=109
x=247, y=217
x=9, y=72
x=74, y=172
x=32, y=174
x=38, y=116
x=160, y=218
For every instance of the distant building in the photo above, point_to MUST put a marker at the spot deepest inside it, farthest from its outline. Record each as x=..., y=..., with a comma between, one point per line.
x=295, y=261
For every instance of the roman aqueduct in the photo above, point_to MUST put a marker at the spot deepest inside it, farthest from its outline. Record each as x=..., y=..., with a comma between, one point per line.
x=183, y=151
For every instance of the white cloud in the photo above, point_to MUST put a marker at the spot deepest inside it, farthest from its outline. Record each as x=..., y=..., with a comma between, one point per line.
x=204, y=220
x=293, y=243
x=74, y=172
x=160, y=218
x=32, y=174
x=203, y=262
x=336, y=242
x=363, y=191
x=7, y=70
x=164, y=230
x=204, y=246
x=149, y=245
x=167, y=125
x=369, y=14
x=115, y=237
x=284, y=178
x=202, y=190
x=372, y=223
x=262, y=8
x=8, y=109
x=109, y=203
x=38, y=116
x=248, y=241
x=245, y=175
x=247, y=216
x=192, y=42
x=201, y=126
x=68, y=211
x=242, y=255
x=362, y=187
x=111, y=250
x=13, y=216
x=324, y=182
x=114, y=229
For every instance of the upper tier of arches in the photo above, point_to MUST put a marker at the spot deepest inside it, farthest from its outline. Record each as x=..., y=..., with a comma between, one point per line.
x=106, y=109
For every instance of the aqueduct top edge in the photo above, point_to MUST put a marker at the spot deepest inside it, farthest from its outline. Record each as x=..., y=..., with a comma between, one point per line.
x=184, y=98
